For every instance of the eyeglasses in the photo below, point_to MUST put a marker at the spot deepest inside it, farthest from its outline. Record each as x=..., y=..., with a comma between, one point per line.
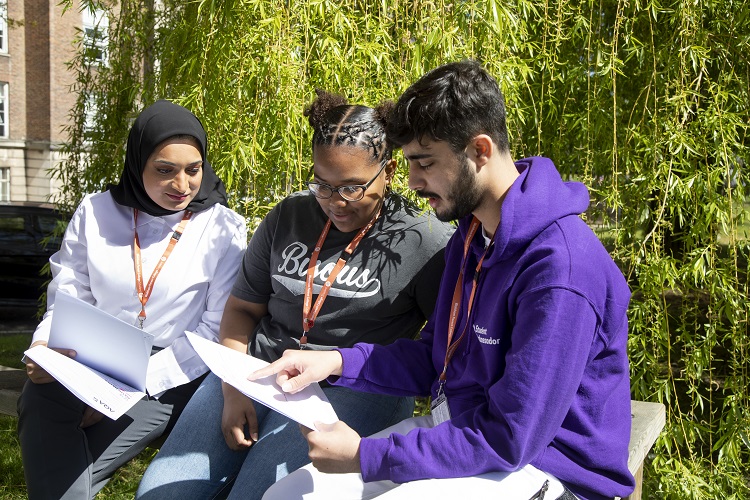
x=354, y=192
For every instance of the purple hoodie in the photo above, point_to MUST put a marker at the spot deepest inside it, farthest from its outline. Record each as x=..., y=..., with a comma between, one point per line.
x=541, y=376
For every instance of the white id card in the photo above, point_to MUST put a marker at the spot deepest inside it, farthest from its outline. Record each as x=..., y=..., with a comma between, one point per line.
x=439, y=409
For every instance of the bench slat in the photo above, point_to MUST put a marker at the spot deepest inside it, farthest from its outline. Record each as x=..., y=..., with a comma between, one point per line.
x=11, y=383
x=648, y=421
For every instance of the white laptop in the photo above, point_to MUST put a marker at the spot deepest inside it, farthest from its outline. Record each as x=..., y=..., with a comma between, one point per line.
x=101, y=341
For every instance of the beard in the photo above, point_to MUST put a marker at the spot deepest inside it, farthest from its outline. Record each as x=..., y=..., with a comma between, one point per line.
x=464, y=196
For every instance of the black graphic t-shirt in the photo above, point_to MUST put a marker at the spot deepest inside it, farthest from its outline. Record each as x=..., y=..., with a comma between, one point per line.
x=385, y=291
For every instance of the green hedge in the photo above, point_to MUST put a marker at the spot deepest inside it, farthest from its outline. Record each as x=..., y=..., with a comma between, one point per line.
x=645, y=102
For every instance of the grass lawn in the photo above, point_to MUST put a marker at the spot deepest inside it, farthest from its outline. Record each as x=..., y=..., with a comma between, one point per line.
x=11, y=349
x=12, y=484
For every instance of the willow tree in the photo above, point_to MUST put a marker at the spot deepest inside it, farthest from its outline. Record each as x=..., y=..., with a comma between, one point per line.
x=645, y=101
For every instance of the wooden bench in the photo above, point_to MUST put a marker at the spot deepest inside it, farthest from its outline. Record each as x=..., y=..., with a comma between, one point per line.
x=648, y=421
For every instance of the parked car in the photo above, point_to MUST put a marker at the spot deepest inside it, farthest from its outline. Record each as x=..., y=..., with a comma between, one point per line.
x=26, y=244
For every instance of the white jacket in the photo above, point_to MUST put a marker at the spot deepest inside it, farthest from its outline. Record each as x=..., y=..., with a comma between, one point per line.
x=95, y=264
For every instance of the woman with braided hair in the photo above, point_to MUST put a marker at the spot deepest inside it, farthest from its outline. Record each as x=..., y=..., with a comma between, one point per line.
x=224, y=444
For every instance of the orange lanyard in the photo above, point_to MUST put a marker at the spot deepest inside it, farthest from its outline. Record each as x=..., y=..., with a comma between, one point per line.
x=457, y=294
x=145, y=294
x=310, y=312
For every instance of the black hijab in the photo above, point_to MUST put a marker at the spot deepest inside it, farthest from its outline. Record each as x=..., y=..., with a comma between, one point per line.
x=157, y=123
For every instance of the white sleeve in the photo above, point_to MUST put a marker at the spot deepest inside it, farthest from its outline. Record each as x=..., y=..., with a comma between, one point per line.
x=69, y=269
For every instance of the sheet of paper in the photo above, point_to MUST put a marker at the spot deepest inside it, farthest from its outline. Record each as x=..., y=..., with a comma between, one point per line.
x=99, y=391
x=102, y=342
x=305, y=407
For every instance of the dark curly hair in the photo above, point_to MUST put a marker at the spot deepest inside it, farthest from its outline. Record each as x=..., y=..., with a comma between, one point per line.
x=453, y=103
x=336, y=122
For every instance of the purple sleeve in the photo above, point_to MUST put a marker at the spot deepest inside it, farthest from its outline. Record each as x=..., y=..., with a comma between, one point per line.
x=409, y=370
x=524, y=408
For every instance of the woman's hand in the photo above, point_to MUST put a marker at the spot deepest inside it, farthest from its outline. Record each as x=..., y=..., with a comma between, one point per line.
x=90, y=417
x=295, y=370
x=238, y=412
x=36, y=373
x=39, y=375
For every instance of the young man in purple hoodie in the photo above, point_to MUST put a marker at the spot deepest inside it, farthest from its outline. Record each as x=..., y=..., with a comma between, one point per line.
x=525, y=355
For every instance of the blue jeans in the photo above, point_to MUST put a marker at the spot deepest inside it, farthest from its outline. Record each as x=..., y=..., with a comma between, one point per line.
x=195, y=462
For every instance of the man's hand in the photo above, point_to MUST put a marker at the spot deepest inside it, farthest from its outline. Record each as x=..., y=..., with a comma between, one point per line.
x=334, y=448
x=295, y=370
x=36, y=373
x=238, y=412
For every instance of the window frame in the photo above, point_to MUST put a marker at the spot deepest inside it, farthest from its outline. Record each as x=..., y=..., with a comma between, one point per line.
x=5, y=184
x=3, y=27
x=4, y=111
x=95, y=32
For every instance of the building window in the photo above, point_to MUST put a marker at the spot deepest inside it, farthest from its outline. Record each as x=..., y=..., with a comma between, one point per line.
x=3, y=27
x=95, y=35
x=4, y=183
x=3, y=110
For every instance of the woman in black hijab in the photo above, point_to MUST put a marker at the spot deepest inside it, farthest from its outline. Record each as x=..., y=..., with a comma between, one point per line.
x=157, y=123
x=159, y=250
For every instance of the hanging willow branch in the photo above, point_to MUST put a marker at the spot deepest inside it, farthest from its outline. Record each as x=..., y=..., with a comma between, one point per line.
x=647, y=102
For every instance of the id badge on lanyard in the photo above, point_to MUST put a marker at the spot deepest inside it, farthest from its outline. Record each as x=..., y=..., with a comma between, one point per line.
x=439, y=406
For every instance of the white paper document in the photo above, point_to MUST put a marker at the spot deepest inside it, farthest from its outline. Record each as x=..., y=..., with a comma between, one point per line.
x=305, y=407
x=99, y=391
x=101, y=341
x=109, y=370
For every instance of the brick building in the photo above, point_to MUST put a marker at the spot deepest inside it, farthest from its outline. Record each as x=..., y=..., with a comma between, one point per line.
x=37, y=40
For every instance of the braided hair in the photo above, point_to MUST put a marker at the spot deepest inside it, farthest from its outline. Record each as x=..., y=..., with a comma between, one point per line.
x=335, y=122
